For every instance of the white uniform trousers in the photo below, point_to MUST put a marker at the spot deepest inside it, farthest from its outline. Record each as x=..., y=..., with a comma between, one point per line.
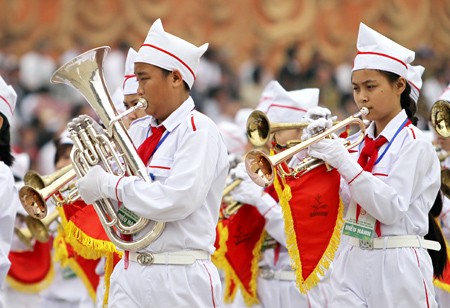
x=195, y=285
x=398, y=277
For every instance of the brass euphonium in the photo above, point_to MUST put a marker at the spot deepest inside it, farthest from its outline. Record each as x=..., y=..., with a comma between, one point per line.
x=114, y=150
x=260, y=167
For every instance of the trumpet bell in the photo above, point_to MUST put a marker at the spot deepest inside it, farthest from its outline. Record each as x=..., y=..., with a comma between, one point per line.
x=440, y=117
x=259, y=168
x=33, y=202
x=37, y=229
x=258, y=128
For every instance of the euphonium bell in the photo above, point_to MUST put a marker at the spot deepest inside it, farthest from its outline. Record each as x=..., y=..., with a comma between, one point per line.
x=38, y=190
x=440, y=117
x=260, y=166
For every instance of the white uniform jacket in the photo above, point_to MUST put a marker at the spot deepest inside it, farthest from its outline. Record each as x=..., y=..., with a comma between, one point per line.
x=189, y=169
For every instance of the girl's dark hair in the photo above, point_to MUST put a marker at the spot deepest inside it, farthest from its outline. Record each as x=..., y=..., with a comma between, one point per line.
x=406, y=101
x=5, y=143
x=438, y=258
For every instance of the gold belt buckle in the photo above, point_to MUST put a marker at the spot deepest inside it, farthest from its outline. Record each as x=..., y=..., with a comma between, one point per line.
x=366, y=244
x=145, y=258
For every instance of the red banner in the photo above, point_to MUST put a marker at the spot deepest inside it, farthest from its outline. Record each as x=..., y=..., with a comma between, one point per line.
x=238, y=252
x=313, y=216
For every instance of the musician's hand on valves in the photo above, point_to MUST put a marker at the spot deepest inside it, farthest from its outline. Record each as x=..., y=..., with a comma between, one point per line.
x=333, y=152
x=316, y=127
x=96, y=184
x=319, y=112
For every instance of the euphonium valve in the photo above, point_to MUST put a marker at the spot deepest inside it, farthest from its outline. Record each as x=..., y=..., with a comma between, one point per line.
x=260, y=166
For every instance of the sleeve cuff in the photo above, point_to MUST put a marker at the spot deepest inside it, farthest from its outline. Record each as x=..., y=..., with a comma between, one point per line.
x=265, y=204
x=112, y=184
x=350, y=170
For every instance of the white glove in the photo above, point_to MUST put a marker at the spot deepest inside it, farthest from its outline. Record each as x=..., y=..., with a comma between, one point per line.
x=317, y=113
x=95, y=184
x=333, y=152
x=316, y=127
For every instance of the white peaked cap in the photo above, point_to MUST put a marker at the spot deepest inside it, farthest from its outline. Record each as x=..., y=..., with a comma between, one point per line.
x=234, y=137
x=414, y=77
x=130, y=83
x=171, y=53
x=446, y=94
x=376, y=51
x=282, y=106
x=21, y=164
x=8, y=99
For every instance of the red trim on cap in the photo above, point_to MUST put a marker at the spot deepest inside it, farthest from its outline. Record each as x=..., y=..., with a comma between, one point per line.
x=172, y=55
x=126, y=78
x=283, y=106
x=8, y=104
x=383, y=55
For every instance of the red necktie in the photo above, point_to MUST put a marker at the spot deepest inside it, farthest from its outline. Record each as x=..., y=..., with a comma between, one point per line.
x=148, y=147
x=367, y=159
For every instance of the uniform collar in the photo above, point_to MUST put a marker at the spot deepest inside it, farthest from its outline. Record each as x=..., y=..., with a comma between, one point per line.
x=176, y=117
x=390, y=130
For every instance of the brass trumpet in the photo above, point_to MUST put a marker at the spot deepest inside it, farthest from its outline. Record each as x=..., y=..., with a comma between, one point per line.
x=38, y=189
x=440, y=117
x=232, y=205
x=259, y=128
x=260, y=166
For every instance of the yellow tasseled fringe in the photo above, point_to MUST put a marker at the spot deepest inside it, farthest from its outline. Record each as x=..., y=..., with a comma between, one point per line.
x=86, y=246
x=109, y=267
x=74, y=266
x=304, y=285
x=231, y=276
x=32, y=287
x=440, y=284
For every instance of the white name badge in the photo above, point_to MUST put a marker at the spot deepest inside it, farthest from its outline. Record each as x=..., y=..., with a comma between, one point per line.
x=364, y=228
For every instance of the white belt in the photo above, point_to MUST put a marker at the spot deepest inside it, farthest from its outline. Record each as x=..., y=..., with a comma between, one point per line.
x=400, y=241
x=183, y=257
x=268, y=273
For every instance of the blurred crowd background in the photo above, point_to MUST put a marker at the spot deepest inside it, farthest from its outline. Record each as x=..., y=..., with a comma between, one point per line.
x=301, y=44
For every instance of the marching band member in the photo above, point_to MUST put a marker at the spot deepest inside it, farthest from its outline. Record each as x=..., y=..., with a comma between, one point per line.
x=9, y=200
x=189, y=166
x=276, y=283
x=392, y=192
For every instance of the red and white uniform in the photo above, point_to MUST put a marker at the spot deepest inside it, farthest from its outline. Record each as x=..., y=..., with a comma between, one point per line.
x=189, y=169
x=399, y=193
